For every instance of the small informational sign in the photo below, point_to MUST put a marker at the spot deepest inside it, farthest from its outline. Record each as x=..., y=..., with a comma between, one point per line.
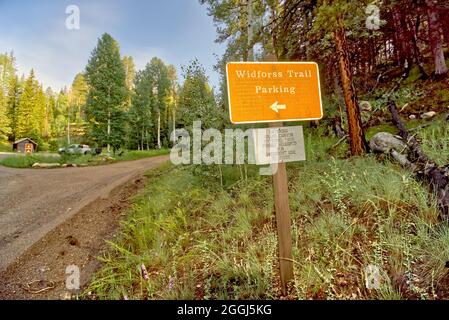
x=28, y=148
x=273, y=91
x=278, y=145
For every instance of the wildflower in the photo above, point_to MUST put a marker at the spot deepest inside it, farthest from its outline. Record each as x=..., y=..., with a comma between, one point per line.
x=144, y=272
x=171, y=283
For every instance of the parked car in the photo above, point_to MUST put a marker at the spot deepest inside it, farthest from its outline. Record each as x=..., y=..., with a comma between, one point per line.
x=76, y=149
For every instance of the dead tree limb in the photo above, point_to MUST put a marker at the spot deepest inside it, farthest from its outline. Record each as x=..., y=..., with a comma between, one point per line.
x=338, y=129
x=425, y=168
x=339, y=141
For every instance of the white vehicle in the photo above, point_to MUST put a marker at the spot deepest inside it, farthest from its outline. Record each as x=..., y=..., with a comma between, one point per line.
x=76, y=149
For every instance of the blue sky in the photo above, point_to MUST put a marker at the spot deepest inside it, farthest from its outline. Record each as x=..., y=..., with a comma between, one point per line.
x=173, y=30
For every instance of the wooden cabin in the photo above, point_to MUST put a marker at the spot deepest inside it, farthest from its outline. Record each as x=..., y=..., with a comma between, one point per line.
x=25, y=145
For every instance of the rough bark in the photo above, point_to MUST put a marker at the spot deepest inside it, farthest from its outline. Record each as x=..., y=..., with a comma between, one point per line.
x=403, y=38
x=338, y=129
x=436, y=42
x=356, y=135
x=414, y=44
x=445, y=22
x=426, y=169
x=159, y=130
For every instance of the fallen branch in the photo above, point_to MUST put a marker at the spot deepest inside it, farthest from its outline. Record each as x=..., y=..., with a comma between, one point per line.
x=426, y=169
x=338, y=129
x=420, y=127
x=339, y=132
x=339, y=141
x=30, y=285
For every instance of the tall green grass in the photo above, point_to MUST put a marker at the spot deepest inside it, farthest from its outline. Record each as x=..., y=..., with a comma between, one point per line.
x=27, y=161
x=435, y=141
x=135, y=155
x=205, y=237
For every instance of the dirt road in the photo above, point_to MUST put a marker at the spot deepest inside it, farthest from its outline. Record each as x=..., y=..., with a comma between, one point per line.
x=35, y=202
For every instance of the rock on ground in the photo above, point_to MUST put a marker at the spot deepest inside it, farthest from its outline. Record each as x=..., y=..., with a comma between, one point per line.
x=428, y=115
x=46, y=165
x=365, y=106
x=385, y=142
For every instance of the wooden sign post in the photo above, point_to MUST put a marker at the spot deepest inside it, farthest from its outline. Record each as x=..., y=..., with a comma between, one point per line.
x=274, y=92
x=283, y=220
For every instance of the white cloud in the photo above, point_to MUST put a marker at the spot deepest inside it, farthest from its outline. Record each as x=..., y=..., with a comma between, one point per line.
x=59, y=53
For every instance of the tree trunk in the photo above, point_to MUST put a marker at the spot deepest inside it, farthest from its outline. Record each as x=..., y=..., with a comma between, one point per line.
x=148, y=142
x=404, y=52
x=142, y=140
x=435, y=39
x=174, y=125
x=68, y=126
x=445, y=21
x=109, y=131
x=159, y=130
x=356, y=135
x=414, y=44
x=338, y=129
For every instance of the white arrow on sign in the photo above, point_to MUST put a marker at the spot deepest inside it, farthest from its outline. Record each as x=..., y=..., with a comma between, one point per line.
x=276, y=107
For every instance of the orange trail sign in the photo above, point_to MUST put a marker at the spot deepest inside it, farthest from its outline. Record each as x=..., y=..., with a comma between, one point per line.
x=273, y=91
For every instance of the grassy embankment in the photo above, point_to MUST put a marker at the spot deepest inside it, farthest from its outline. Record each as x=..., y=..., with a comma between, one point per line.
x=200, y=239
x=22, y=161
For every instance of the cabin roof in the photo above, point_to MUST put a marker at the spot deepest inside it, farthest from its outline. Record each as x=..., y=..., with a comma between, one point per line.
x=23, y=139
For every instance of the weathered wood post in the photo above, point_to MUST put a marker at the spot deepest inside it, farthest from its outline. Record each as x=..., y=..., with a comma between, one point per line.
x=283, y=219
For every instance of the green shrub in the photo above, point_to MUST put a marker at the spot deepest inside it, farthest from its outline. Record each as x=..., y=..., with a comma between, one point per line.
x=5, y=146
x=413, y=76
x=53, y=145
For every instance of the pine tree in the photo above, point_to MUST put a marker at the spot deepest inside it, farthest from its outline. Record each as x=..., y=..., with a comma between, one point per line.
x=140, y=119
x=158, y=73
x=40, y=112
x=333, y=18
x=173, y=98
x=105, y=75
x=130, y=72
x=7, y=72
x=5, y=128
x=12, y=102
x=77, y=97
x=436, y=41
x=60, y=108
x=76, y=105
x=49, y=118
x=196, y=98
x=27, y=124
